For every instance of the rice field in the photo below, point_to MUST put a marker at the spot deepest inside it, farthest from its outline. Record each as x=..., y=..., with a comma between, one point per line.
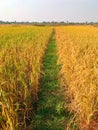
x=21, y=52
x=78, y=55
x=24, y=51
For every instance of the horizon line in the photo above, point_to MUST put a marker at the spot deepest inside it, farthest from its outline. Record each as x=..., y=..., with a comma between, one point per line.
x=53, y=21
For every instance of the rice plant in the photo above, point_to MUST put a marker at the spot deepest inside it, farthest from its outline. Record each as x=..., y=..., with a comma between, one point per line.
x=21, y=52
x=78, y=55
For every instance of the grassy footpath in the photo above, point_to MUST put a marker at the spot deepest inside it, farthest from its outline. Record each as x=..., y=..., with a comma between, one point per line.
x=50, y=113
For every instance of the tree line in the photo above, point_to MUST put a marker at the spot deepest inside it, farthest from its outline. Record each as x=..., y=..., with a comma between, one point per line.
x=50, y=23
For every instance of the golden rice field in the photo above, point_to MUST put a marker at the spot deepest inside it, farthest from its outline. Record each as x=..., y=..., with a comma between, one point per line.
x=78, y=55
x=21, y=52
x=22, y=49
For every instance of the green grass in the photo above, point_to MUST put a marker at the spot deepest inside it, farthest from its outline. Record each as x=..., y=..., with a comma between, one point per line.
x=50, y=114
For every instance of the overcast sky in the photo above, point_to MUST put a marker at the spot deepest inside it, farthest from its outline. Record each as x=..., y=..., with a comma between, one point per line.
x=49, y=10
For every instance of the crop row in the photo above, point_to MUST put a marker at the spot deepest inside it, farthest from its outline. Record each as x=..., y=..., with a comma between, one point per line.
x=21, y=52
x=78, y=55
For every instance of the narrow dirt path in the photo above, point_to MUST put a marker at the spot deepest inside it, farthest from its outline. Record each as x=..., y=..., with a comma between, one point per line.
x=50, y=113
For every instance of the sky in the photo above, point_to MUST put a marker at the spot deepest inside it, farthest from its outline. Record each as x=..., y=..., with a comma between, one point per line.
x=49, y=10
